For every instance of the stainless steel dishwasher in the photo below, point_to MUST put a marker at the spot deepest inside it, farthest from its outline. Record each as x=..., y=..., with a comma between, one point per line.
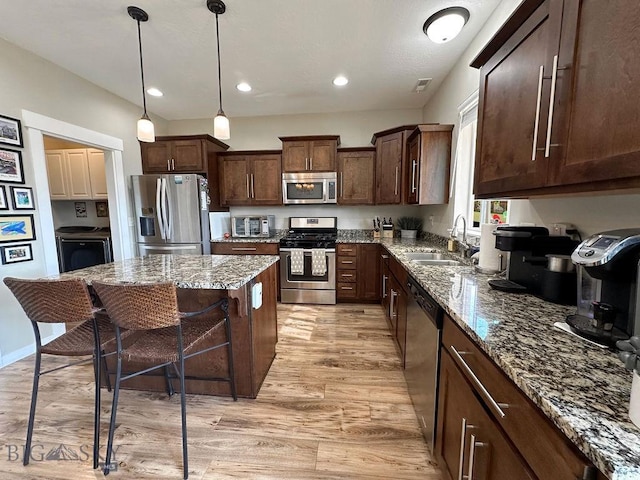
x=422, y=358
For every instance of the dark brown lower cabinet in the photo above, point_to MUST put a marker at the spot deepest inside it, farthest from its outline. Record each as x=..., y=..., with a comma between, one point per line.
x=487, y=428
x=357, y=277
x=469, y=444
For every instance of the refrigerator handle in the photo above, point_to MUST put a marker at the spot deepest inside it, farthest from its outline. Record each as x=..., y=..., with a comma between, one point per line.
x=163, y=204
x=159, y=207
x=169, y=211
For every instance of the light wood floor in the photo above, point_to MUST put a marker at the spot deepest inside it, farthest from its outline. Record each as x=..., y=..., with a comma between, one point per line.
x=334, y=406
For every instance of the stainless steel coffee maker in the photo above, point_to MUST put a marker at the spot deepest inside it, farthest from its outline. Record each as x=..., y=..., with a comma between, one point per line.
x=607, y=296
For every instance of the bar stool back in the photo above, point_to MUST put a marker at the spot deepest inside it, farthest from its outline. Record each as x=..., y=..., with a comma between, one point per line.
x=169, y=338
x=67, y=302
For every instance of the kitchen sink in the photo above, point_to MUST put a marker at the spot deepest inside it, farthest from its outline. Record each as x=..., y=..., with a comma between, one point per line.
x=426, y=256
x=442, y=261
x=431, y=258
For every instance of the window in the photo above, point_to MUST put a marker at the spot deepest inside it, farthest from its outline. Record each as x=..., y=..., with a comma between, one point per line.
x=474, y=211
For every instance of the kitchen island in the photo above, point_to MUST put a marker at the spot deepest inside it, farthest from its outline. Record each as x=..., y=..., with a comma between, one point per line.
x=202, y=280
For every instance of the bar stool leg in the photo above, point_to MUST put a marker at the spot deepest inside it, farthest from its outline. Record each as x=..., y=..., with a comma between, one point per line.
x=114, y=407
x=97, y=363
x=170, y=390
x=34, y=395
x=183, y=407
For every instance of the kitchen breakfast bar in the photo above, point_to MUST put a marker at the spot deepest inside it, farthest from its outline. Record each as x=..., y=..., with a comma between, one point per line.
x=249, y=281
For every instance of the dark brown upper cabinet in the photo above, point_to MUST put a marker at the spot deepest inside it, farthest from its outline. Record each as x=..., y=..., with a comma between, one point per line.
x=310, y=154
x=558, y=107
x=356, y=176
x=180, y=154
x=428, y=163
x=390, y=160
x=250, y=178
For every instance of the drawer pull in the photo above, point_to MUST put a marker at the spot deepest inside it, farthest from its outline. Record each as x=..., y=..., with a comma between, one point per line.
x=346, y=275
x=497, y=407
x=346, y=288
x=244, y=249
x=472, y=455
x=349, y=262
x=463, y=440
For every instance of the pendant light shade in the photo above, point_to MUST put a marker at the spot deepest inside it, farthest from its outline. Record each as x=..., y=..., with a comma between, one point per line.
x=221, y=129
x=146, y=132
x=221, y=126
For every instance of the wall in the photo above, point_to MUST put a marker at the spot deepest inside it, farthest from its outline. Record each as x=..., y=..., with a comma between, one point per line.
x=589, y=213
x=31, y=83
x=257, y=133
x=64, y=214
x=360, y=217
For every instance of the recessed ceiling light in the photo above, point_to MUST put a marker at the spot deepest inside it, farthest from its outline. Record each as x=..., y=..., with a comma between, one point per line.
x=446, y=24
x=340, y=81
x=153, y=91
x=244, y=87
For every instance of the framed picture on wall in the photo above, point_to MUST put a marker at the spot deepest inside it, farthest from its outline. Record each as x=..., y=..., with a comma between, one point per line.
x=11, y=166
x=10, y=131
x=16, y=253
x=22, y=198
x=3, y=198
x=16, y=228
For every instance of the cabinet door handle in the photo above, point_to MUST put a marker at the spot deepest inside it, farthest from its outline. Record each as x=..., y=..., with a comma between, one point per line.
x=536, y=124
x=552, y=98
x=384, y=257
x=243, y=249
x=463, y=442
x=306, y=163
x=342, y=185
x=497, y=407
x=253, y=191
x=472, y=455
x=393, y=312
x=168, y=164
x=173, y=164
x=396, y=187
x=310, y=163
x=414, y=164
x=248, y=192
x=384, y=286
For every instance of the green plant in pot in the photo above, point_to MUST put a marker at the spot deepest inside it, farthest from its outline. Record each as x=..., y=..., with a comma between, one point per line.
x=409, y=226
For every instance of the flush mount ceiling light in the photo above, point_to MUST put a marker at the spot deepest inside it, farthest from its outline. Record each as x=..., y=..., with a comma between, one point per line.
x=155, y=92
x=446, y=24
x=340, y=81
x=146, y=132
x=244, y=87
x=221, y=128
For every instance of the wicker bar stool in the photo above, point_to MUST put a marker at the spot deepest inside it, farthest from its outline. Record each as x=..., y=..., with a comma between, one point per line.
x=68, y=302
x=169, y=338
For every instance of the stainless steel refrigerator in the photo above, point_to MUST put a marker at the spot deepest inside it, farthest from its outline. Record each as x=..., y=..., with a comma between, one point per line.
x=171, y=214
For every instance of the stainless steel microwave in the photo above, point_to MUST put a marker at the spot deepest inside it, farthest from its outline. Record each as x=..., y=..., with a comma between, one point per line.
x=309, y=187
x=263, y=226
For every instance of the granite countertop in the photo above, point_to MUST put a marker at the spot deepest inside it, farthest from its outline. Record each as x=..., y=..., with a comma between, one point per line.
x=583, y=389
x=217, y=272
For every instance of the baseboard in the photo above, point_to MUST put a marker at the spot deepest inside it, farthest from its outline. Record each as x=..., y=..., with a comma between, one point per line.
x=16, y=355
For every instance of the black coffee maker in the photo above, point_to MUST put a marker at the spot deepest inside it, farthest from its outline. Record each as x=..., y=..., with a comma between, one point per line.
x=537, y=263
x=607, y=296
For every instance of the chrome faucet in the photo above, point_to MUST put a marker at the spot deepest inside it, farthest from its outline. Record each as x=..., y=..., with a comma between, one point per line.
x=464, y=245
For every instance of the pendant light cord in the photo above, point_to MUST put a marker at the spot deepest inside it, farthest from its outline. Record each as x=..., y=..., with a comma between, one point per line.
x=144, y=97
x=219, y=74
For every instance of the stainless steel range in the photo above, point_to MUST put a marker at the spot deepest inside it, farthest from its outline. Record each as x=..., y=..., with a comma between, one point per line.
x=308, y=261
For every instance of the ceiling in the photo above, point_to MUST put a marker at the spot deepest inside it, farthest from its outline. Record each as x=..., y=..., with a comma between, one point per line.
x=288, y=50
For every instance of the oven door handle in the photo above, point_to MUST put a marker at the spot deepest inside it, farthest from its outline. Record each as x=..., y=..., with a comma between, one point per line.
x=306, y=250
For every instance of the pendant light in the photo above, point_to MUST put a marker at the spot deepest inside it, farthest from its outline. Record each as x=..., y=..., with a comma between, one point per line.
x=146, y=131
x=220, y=122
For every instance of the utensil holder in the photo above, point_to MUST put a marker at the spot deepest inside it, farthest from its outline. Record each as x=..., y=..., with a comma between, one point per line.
x=634, y=403
x=387, y=233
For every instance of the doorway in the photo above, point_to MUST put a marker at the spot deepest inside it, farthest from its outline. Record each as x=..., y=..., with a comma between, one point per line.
x=37, y=127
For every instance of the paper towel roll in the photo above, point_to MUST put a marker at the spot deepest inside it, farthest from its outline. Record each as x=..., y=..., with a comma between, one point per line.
x=490, y=256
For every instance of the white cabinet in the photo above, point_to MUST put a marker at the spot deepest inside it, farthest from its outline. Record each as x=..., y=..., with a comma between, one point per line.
x=76, y=174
